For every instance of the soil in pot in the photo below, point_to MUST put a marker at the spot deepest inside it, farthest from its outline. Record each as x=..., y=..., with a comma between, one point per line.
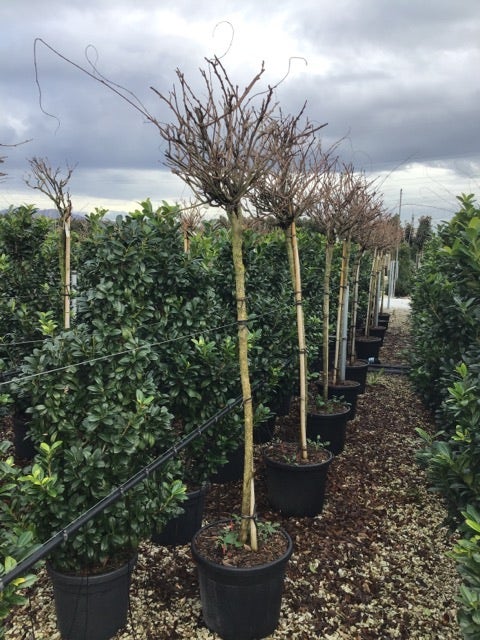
x=181, y=529
x=240, y=602
x=296, y=487
x=92, y=606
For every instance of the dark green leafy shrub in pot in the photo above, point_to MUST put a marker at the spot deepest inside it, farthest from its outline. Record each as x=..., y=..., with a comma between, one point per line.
x=99, y=421
x=466, y=553
x=29, y=281
x=16, y=533
x=452, y=458
x=137, y=279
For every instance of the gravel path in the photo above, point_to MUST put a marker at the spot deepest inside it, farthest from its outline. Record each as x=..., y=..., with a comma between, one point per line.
x=372, y=566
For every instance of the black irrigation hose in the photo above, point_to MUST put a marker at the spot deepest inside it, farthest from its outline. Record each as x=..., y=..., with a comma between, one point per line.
x=400, y=369
x=63, y=535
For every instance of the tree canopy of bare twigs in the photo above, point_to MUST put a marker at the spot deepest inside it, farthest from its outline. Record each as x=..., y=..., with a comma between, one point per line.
x=220, y=145
x=52, y=184
x=284, y=194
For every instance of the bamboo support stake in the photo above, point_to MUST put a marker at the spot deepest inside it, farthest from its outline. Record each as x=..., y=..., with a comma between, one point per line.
x=326, y=315
x=301, y=343
x=67, y=275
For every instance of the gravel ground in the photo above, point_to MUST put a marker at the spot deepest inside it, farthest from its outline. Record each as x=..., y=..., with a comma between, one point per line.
x=372, y=566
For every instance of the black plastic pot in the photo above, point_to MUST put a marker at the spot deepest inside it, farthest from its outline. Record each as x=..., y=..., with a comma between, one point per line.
x=180, y=530
x=367, y=347
x=23, y=445
x=330, y=428
x=280, y=404
x=348, y=391
x=297, y=489
x=241, y=603
x=263, y=431
x=92, y=607
x=378, y=332
x=358, y=371
x=232, y=470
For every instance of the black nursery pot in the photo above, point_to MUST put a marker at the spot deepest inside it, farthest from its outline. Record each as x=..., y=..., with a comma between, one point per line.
x=349, y=391
x=241, y=603
x=330, y=428
x=181, y=529
x=297, y=489
x=280, y=404
x=232, y=470
x=378, y=332
x=358, y=372
x=263, y=431
x=367, y=347
x=94, y=606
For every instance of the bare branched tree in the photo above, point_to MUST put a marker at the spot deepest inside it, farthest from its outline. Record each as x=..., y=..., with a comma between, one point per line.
x=219, y=144
x=52, y=184
x=191, y=221
x=336, y=215
x=286, y=194
x=363, y=236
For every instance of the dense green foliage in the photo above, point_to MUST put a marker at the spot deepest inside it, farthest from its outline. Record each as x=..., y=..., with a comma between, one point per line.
x=16, y=533
x=446, y=371
x=96, y=420
x=152, y=354
x=29, y=283
x=405, y=271
x=136, y=279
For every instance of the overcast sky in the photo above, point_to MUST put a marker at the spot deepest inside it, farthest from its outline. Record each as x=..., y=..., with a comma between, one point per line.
x=398, y=79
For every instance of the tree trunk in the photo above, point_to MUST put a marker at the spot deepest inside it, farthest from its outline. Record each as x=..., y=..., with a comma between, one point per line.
x=248, y=527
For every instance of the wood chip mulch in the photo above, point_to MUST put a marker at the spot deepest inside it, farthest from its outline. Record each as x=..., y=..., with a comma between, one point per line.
x=371, y=566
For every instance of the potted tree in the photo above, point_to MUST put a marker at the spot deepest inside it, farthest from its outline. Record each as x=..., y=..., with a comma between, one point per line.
x=296, y=475
x=219, y=145
x=356, y=214
x=95, y=413
x=387, y=233
x=328, y=415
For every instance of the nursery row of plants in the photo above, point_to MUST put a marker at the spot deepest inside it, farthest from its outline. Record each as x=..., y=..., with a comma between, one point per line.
x=445, y=371
x=163, y=330
x=154, y=347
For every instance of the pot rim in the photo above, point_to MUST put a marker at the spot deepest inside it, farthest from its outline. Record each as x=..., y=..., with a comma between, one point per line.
x=259, y=568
